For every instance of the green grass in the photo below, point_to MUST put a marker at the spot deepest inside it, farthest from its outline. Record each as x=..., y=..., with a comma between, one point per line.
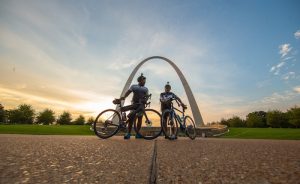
x=46, y=129
x=263, y=133
x=241, y=133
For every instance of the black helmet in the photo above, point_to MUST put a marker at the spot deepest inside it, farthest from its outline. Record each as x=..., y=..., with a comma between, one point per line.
x=141, y=77
x=168, y=85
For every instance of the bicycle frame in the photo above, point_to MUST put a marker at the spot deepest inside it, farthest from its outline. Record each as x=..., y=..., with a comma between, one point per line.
x=141, y=108
x=173, y=114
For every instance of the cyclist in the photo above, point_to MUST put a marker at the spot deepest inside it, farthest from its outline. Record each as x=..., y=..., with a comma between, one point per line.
x=166, y=99
x=139, y=92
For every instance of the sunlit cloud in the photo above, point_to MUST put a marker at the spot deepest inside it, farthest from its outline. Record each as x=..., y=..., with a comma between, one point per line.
x=87, y=103
x=77, y=56
x=297, y=89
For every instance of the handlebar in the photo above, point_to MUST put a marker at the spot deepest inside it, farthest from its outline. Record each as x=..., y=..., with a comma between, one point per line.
x=118, y=101
x=178, y=103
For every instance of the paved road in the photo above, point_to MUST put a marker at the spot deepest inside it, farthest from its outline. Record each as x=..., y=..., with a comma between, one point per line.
x=229, y=161
x=86, y=159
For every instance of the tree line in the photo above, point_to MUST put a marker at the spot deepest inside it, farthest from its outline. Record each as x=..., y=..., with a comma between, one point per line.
x=25, y=114
x=262, y=119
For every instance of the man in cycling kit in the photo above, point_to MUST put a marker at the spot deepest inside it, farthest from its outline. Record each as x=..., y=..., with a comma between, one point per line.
x=165, y=99
x=139, y=92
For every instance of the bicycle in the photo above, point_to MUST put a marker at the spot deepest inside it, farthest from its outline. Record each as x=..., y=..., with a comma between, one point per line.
x=111, y=121
x=170, y=121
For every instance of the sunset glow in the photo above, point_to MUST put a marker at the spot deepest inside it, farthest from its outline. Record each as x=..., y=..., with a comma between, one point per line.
x=76, y=56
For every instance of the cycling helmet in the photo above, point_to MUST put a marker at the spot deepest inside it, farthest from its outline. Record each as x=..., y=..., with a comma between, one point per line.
x=168, y=85
x=141, y=77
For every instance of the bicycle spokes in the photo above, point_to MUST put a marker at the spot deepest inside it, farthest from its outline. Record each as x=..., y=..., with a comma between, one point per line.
x=169, y=125
x=190, y=129
x=107, y=123
x=148, y=125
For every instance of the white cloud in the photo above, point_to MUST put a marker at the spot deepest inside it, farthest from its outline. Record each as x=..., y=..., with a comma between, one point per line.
x=288, y=58
x=276, y=69
x=297, y=34
x=280, y=64
x=273, y=68
x=121, y=63
x=289, y=75
x=278, y=98
x=284, y=49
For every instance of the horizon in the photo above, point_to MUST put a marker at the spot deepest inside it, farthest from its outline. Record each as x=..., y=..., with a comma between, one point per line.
x=238, y=57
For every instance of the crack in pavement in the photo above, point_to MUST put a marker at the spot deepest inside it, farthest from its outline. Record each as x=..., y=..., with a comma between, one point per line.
x=153, y=165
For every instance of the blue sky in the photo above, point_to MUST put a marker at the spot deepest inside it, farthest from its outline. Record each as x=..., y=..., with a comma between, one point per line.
x=238, y=56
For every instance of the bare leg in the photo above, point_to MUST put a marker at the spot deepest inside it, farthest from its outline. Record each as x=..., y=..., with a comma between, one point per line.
x=139, y=124
x=165, y=120
x=131, y=117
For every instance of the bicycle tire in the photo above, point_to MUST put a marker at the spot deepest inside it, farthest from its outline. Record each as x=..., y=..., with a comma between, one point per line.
x=145, y=129
x=98, y=121
x=190, y=129
x=174, y=125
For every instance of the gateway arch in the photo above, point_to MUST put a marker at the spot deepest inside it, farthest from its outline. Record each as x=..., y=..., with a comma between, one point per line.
x=195, y=110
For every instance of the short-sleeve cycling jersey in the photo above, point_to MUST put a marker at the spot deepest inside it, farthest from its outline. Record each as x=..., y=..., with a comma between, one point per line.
x=165, y=99
x=139, y=92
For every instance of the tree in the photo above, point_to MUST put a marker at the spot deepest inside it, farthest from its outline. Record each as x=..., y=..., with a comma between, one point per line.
x=90, y=121
x=2, y=114
x=224, y=122
x=80, y=120
x=64, y=119
x=236, y=121
x=294, y=116
x=46, y=117
x=276, y=119
x=256, y=119
x=24, y=114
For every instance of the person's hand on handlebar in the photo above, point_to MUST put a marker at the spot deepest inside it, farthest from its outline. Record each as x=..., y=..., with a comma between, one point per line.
x=118, y=100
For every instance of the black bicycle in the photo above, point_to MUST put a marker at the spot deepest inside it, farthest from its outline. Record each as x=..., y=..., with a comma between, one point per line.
x=146, y=121
x=170, y=122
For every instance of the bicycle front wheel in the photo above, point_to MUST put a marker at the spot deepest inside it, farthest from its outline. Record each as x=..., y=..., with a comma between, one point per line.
x=107, y=123
x=147, y=124
x=190, y=128
x=169, y=124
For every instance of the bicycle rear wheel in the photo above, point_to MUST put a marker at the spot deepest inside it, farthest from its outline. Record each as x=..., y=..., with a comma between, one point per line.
x=169, y=124
x=190, y=128
x=107, y=123
x=147, y=124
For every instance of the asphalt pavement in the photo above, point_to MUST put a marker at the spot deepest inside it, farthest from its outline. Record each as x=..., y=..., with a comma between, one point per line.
x=88, y=159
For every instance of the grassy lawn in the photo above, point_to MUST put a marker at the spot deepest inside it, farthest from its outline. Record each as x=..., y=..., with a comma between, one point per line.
x=241, y=133
x=263, y=133
x=46, y=129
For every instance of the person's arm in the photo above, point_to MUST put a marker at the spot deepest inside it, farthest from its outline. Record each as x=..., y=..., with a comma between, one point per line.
x=127, y=93
x=177, y=98
x=161, y=98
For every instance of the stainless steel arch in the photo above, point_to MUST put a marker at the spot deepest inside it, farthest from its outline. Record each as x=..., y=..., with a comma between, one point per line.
x=195, y=110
